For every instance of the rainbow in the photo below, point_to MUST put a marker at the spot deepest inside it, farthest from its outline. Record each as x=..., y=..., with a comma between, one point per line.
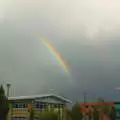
x=56, y=55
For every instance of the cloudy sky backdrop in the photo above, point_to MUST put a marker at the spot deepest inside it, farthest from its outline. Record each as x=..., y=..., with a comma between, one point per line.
x=85, y=32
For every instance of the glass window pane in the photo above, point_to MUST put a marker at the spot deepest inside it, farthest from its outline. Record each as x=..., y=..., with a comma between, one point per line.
x=13, y=105
x=37, y=105
x=16, y=106
x=41, y=106
x=20, y=105
x=55, y=106
x=24, y=105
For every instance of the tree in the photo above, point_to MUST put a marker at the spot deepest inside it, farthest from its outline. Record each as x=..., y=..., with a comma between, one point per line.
x=76, y=113
x=3, y=104
x=90, y=115
x=107, y=109
x=112, y=113
x=50, y=115
x=32, y=114
x=68, y=114
x=103, y=108
x=95, y=114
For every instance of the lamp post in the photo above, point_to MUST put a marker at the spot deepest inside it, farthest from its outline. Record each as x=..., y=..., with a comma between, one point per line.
x=8, y=88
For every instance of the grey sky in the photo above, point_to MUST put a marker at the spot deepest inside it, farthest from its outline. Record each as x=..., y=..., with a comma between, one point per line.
x=85, y=32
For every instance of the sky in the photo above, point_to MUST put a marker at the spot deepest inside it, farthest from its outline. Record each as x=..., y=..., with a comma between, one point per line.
x=85, y=32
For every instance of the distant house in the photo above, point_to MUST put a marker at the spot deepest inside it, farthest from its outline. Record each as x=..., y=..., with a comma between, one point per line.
x=88, y=108
x=21, y=106
x=117, y=109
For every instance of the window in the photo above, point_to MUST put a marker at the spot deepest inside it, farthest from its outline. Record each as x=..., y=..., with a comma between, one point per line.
x=51, y=106
x=24, y=105
x=20, y=105
x=16, y=106
x=59, y=106
x=45, y=105
x=118, y=113
x=13, y=105
x=92, y=106
x=37, y=105
x=41, y=106
x=86, y=106
x=55, y=106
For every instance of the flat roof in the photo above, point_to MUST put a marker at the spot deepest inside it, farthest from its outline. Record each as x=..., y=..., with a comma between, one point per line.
x=38, y=96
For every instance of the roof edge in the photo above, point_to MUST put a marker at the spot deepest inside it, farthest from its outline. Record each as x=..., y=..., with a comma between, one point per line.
x=38, y=96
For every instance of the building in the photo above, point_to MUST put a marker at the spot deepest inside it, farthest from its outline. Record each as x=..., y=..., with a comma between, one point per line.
x=21, y=106
x=88, y=109
x=117, y=109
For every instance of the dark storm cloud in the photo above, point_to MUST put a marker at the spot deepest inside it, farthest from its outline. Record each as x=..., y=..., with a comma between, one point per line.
x=93, y=72
x=25, y=62
x=87, y=36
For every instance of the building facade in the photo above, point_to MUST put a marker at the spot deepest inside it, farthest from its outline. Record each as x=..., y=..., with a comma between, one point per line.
x=117, y=109
x=20, y=107
x=88, y=108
